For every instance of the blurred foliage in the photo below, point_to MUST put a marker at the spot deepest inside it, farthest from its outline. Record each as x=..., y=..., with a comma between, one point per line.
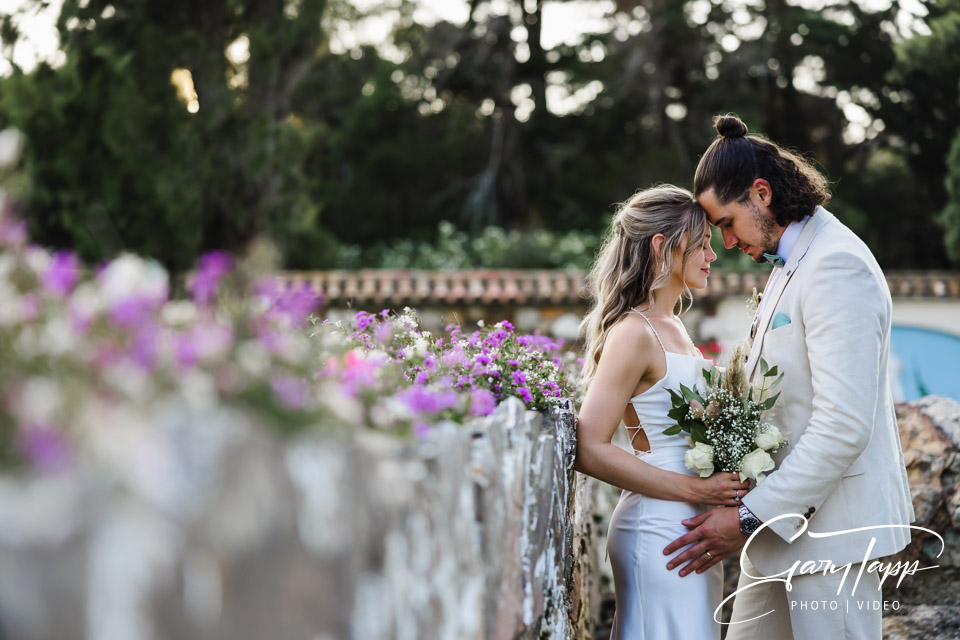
x=496, y=247
x=351, y=155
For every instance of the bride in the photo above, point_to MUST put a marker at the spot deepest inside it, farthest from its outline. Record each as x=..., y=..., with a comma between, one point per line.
x=636, y=348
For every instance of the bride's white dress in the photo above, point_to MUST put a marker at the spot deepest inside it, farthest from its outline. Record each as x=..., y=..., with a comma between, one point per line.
x=652, y=602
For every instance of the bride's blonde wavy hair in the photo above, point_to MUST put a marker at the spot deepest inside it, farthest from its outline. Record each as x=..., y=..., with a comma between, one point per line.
x=628, y=271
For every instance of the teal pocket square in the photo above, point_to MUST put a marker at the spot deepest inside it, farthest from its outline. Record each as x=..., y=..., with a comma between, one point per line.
x=780, y=320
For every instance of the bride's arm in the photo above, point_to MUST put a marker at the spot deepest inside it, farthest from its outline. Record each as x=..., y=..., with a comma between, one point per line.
x=629, y=351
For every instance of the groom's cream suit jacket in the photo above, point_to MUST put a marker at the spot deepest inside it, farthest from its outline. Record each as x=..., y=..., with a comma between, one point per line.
x=843, y=468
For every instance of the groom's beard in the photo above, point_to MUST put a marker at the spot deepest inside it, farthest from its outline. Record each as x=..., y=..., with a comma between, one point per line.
x=767, y=228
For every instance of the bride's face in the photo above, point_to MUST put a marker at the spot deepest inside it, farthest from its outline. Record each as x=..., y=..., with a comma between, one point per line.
x=697, y=268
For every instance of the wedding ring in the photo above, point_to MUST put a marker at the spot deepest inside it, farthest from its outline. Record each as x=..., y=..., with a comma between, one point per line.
x=738, y=495
x=708, y=554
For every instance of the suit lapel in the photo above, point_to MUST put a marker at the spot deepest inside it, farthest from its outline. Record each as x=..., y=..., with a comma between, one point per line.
x=810, y=231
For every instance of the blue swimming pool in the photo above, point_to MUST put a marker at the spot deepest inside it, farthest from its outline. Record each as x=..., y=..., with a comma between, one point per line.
x=925, y=362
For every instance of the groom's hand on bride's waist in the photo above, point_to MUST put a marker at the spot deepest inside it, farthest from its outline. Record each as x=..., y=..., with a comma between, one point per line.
x=715, y=535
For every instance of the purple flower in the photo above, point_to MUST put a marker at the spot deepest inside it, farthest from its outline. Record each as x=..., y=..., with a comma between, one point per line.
x=506, y=325
x=44, y=448
x=384, y=333
x=132, y=312
x=363, y=319
x=513, y=363
x=145, y=346
x=13, y=233
x=421, y=429
x=424, y=401
x=293, y=305
x=519, y=378
x=524, y=393
x=482, y=359
x=384, y=313
x=456, y=358
x=482, y=402
x=213, y=266
x=202, y=341
x=61, y=276
x=291, y=391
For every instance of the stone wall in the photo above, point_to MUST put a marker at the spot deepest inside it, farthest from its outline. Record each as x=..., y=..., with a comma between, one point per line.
x=470, y=533
x=930, y=600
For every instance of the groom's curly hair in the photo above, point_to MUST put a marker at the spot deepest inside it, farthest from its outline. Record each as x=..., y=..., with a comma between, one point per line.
x=734, y=160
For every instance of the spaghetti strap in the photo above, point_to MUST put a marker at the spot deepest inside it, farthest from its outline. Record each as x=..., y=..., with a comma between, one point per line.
x=652, y=328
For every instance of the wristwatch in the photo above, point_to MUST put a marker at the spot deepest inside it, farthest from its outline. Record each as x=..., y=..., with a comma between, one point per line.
x=748, y=522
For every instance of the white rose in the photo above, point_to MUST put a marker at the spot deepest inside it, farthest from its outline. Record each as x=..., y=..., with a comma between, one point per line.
x=769, y=438
x=700, y=459
x=754, y=464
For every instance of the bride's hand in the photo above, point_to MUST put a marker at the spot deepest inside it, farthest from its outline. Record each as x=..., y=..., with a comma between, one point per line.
x=720, y=489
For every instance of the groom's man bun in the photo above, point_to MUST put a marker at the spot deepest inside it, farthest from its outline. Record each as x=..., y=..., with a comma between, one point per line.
x=734, y=160
x=729, y=126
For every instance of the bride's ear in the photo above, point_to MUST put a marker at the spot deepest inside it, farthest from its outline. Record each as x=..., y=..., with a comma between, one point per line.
x=656, y=243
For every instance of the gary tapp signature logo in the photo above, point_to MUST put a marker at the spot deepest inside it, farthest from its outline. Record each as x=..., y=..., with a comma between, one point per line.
x=884, y=570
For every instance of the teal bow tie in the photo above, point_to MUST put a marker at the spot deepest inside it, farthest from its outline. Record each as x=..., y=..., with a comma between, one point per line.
x=774, y=259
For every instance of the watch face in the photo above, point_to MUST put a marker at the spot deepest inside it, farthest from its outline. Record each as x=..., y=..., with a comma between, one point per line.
x=749, y=524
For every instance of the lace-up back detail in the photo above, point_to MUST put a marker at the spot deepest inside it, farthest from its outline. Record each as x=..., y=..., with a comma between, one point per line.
x=652, y=405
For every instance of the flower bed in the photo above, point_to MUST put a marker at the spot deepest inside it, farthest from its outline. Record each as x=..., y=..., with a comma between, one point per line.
x=83, y=350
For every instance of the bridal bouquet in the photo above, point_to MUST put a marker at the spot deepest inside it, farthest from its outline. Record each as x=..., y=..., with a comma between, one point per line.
x=725, y=421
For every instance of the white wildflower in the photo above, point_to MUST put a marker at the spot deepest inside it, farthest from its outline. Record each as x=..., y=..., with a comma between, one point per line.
x=180, y=313
x=131, y=276
x=253, y=358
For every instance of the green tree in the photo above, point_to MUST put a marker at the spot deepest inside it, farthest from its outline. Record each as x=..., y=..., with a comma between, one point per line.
x=116, y=160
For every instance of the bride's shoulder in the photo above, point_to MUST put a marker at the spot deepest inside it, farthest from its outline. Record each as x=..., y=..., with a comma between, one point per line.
x=631, y=333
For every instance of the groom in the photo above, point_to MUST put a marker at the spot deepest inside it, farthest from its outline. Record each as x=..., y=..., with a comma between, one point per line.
x=824, y=320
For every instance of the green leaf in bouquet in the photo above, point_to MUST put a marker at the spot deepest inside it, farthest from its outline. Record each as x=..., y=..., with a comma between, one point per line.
x=676, y=398
x=771, y=372
x=777, y=381
x=750, y=394
x=699, y=433
x=769, y=402
x=764, y=367
x=708, y=375
x=678, y=413
x=691, y=394
x=672, y=431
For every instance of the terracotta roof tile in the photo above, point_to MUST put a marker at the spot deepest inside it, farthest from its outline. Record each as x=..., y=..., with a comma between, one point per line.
x=397, y=288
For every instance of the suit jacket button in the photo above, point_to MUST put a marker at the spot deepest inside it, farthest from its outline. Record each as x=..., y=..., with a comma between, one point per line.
x=812, y=509
x=798, y=526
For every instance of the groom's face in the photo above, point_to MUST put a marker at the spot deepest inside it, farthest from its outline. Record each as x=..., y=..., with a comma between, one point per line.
x=747, y=224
